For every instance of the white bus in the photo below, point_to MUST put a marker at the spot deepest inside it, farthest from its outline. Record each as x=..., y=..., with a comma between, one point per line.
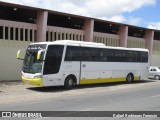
x=68, y=63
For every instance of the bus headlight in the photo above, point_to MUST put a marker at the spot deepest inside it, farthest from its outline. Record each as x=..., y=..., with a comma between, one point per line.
x=38, y=76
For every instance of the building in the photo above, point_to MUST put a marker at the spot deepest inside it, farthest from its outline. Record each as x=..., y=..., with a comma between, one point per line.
x=20, y=25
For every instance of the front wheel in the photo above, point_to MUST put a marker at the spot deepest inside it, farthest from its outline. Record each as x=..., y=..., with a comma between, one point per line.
x=129, y=78
x=68, y=84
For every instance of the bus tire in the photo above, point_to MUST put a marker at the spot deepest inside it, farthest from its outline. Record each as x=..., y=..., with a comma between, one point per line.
x=130, y=78
x=70, y=81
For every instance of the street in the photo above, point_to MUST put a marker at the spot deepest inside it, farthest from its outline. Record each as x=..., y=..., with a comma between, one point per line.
x=139, y=96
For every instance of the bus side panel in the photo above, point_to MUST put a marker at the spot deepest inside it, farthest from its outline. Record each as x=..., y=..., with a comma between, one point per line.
x=145, y=71
x=90, y=70
x=71, y=68
x=101, y=72
x=53, y=80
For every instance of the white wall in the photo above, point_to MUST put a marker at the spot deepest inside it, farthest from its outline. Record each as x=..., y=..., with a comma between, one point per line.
x=155, y=60
x=10, y=67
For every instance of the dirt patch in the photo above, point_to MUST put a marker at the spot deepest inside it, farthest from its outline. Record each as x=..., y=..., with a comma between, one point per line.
x=10, y=83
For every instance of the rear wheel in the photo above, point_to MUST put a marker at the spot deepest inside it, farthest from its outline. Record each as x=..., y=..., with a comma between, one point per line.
x=129, y=78
x=157, y=77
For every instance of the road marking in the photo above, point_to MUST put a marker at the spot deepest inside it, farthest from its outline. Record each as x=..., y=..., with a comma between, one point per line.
x=156, y=96
x=88, y=109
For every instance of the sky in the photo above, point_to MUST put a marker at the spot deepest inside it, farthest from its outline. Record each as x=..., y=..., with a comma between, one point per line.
x=143, y=13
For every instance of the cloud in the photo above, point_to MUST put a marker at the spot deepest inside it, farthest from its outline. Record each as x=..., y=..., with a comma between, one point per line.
x=154, y=25
x=121, y=19
x=92, y=8
x=105, y=9
x=116, y=18
x=13, y=1
x=110, y=8
x=134, y=21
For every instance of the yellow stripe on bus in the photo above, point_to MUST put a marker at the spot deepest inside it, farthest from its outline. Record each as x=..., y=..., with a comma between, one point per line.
x=105, y=80
x=136, y=78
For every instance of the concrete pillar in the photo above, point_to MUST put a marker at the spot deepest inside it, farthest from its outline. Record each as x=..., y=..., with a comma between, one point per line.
x=149, y=34
x=88, y=30
x=123, y=35
x=42, y=17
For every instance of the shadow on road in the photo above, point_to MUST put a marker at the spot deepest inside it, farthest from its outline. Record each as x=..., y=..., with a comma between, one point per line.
x=112, y=84
x=144, y=81
x=48, y=89
x=62, y=89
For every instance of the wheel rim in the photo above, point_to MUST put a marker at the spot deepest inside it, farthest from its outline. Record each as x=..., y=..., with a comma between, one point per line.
x=129, y=78
x=70, y=82
x=157, y=77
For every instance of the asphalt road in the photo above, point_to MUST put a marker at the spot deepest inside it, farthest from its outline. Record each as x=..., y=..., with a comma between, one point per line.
x=139, y=96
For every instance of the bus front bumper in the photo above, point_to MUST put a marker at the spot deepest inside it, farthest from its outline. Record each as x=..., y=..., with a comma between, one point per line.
x=34, y=81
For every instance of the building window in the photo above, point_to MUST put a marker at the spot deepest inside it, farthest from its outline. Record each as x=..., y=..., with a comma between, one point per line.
x=11, y=33
x=31, y=34
x=26, y=35
x=6, y=33
x=16, y=34
x=1, y=32
x=21, y=34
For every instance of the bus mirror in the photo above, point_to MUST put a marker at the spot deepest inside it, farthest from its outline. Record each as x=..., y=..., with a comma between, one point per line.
x=39, y=54
x=18, y=54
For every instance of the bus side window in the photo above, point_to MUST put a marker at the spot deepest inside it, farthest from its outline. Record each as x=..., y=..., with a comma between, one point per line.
x=120, y=55
x=77, y=54
x=144, y=57
x=68, y=56
x=106, y=55
x=86, y=55
x=73, y=53
x=103, y=57
x=136, y=56
x=130, y=56
x=90, y=54
x=94, y=53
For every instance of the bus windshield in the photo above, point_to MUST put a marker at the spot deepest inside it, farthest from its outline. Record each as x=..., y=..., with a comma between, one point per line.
x=31, y=64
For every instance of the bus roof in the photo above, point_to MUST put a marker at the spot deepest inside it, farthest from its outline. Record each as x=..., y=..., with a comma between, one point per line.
x=89, y=44
x=71, y=42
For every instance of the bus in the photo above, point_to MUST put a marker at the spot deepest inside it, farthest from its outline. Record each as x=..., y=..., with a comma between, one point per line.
x=69, y=63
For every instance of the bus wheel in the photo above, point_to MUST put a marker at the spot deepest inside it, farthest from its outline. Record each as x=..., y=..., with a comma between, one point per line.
x=157, y=77
x=129, y=78
x=69, y=82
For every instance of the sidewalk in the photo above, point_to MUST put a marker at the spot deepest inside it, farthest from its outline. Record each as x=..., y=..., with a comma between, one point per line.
x=16, y=91
x=9, y=82
x=13, y=92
